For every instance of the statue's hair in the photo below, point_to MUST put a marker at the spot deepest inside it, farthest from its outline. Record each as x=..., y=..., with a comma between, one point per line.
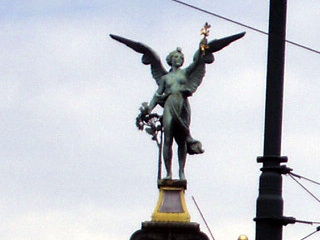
x=170, y=55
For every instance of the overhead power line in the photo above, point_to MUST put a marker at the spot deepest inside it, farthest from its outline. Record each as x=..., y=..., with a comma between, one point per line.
x=301, y=177
x=292, y=176
x=317, y=230
x=194, y=200
x=243, y=25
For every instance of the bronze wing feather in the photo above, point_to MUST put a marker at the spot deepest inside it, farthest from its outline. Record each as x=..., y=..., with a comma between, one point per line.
x=149, y=56
x=196, y=72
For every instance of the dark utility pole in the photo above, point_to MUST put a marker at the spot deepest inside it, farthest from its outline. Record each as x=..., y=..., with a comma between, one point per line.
x=269, y=216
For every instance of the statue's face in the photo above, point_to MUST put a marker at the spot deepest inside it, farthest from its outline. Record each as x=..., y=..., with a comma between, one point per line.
x=177, y=59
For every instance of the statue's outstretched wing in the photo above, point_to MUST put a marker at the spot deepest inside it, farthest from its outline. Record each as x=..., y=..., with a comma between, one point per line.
x=149, y=56
x=197, y=69
x=217, y=44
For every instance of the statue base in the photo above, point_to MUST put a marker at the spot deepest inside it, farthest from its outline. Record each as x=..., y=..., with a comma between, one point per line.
x=169, y=230
x=171, y=206
x=170, y=219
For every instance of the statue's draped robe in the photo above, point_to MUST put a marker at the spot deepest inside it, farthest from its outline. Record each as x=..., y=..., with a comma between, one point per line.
x=177, y=105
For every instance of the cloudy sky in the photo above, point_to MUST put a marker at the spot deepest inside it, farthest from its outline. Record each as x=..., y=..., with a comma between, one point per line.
x=74, y=165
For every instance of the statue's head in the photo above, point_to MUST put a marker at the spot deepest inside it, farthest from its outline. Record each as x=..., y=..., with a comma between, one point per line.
x=176, y=57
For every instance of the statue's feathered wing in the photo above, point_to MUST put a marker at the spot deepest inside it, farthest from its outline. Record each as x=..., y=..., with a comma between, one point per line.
x=217, y=44
x=197, y=70
x=149, y=56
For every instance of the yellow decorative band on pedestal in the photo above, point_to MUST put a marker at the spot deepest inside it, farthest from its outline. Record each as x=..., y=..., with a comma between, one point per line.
x=171, y=206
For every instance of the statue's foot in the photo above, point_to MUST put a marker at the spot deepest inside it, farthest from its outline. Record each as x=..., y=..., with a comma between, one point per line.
x=182, y=176
x=169, y=176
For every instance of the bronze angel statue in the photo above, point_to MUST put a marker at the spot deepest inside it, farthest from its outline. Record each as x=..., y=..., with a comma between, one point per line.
x=174, y=88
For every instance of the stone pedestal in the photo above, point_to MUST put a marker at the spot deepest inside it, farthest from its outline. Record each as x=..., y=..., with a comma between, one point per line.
x=170, y=219
x=171, y=206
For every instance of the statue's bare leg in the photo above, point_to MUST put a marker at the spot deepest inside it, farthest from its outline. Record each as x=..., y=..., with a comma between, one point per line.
x=167, y=146
x=167, y=155
x=182, y=155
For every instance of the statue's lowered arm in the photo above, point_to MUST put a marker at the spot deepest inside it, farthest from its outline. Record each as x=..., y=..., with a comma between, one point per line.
x=158, y=94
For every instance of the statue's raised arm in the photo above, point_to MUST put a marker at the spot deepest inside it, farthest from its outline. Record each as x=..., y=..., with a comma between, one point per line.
x=149, y=56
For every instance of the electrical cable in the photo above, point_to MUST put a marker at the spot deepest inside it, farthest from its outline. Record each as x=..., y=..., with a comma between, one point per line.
x=301, y=177
x=292, y=175
x=243, y=25
x=318, y=229
x=304, y=187
x=194, y=200
x=306, y=222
